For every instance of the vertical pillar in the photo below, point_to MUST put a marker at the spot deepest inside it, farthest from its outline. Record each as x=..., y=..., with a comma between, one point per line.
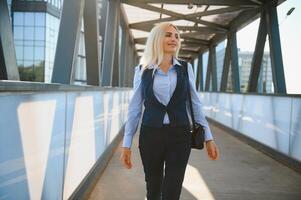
x=110, y=42
x=212, y=54
x=91, y=42
x=275, y=50
x=208, y=73
x=199, y=76
x=67, y=44
x=8, y=61
x=122, y=66
x=116, y=65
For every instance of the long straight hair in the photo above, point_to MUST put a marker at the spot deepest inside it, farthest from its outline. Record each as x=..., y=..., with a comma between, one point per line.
x=153, y=52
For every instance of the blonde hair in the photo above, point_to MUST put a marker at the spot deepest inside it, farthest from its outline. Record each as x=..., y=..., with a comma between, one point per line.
x=153, y=52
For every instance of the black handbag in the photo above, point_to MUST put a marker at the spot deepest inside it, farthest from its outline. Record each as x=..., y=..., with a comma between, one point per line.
x=197, y=130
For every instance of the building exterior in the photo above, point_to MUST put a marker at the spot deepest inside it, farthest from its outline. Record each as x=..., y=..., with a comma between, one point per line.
x=35, y=26
x=265, y=80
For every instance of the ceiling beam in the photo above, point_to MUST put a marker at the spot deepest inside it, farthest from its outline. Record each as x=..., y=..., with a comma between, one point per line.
x=199, y=2
x=202, y=29
x=177, y=15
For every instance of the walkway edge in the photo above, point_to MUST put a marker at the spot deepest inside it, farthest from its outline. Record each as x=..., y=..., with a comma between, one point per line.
x=86, y=186
x=276, y=155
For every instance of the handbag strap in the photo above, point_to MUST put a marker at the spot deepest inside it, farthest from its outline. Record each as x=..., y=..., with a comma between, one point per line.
x=189, y=93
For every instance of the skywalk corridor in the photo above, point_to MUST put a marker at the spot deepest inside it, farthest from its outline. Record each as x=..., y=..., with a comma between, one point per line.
x=66, y=81
x=242, y=172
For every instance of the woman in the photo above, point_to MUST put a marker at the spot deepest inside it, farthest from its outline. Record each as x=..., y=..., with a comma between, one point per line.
x=161, y=85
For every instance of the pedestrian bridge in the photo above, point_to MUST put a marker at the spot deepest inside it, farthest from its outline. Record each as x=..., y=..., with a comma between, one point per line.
x=61, y=139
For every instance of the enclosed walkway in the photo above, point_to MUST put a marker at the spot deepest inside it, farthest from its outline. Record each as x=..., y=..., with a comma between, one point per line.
x=242, y=172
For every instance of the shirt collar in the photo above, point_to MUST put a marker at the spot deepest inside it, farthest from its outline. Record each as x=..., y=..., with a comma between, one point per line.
x=174, y=62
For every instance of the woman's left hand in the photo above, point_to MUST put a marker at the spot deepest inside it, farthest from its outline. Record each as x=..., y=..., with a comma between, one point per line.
x=212, y=150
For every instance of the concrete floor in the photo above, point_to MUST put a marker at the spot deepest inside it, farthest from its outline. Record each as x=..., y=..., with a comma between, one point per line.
x=241, y=173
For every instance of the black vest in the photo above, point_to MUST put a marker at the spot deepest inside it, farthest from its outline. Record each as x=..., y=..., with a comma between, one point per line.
x=176, y=108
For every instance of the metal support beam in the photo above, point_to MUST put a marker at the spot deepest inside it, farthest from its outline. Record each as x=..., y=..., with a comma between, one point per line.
x=234, y=64
x=199, y=76
x=198, y=2
x=91, y=42
x=67, y=44
x=177, y=15
x=126, y=59
x=109, y=43
x=275, y=50
x=116, y=65
x=122, y=64
x=8, y=61
x=258, y=54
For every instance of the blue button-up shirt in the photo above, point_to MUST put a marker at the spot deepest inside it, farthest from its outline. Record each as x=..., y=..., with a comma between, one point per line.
x=164, y=86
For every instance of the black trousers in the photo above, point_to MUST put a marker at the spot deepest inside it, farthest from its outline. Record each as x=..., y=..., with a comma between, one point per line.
x=169, y=146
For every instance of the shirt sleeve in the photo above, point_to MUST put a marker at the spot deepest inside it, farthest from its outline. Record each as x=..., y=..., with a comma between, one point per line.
x=134, y=110
x=197, y=105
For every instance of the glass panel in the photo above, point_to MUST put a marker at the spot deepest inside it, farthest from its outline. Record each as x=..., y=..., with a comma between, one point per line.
x=26, y=73
x=18, y=32
x=39, y=53
x=220, y=55
x=229, y=83
x=205, y=66
x=28, y=19
x=18, y=18
x=39, y=71
x=19, y=42
x=39, y=43
x=28, y=63
x=28, y=53
x=28, y=43
x=19, y=52
x=39, y=19
x=39, y=33
x=28, y=33
x=20, y=63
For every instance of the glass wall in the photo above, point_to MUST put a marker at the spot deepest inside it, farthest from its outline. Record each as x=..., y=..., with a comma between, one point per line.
x=29, y=38
x=220, y=55
x=52, y=28
x=80, y=73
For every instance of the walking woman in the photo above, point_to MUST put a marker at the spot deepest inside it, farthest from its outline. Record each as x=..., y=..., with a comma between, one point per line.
x=161, y=85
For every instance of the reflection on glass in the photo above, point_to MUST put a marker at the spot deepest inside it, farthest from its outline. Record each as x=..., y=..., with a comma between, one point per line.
x=28, y=19
x=28, y=64
x=220, y=55
x=18, y=32
x=28, y=33
x=28, y=43
x=18, y=18
x=39, y=71
x=19, y=52
x=28, y=53
x=20, y=63
x=39, y=33
x=39, y=53
x=39, y=19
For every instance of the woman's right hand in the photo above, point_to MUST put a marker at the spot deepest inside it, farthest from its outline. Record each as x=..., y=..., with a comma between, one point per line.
x=125, y=157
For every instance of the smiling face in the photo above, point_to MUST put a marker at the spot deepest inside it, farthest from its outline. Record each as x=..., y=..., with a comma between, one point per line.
x=171, y=40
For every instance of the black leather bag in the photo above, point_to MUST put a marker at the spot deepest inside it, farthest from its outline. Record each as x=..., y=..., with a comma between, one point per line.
x=197, y=130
